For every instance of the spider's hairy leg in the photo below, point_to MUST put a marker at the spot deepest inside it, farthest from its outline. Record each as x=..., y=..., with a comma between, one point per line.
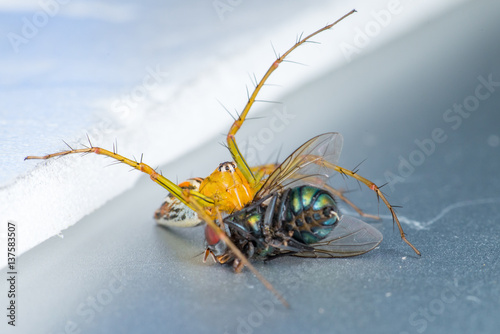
x=346, y=172
x=341, y=196
x=231, y=141
x=379, y=193
x=173, y=188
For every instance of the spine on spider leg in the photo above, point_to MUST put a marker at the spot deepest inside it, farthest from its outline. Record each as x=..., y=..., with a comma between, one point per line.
x=231, y=142
x=173, y=188
x=376, y=189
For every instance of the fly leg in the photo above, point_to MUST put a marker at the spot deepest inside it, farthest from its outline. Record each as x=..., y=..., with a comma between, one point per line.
x=205, y=216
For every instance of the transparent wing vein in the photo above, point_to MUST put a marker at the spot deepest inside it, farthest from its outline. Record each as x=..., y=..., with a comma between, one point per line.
x=350, y=237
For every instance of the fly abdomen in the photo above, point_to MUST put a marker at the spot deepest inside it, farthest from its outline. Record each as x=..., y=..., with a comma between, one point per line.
x=265, y=228
x=309, y=214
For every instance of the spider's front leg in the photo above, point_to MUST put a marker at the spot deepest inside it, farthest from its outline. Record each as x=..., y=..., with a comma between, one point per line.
x=231, y=141
x=173, y=188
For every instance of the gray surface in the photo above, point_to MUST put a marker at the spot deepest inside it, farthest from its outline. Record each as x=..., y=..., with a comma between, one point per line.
x=381, y=103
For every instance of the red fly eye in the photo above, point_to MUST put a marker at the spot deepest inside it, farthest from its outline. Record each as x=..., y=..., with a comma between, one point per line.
x=211, y=236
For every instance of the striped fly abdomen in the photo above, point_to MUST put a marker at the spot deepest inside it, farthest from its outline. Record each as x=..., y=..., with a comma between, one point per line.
x=308, y=213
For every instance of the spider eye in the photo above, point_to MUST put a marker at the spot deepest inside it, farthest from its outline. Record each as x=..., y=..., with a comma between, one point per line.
x=211, y=236
x=227, y=167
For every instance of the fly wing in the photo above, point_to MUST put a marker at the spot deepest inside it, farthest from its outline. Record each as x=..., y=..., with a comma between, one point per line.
x=305, y=165
x=350, y=237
